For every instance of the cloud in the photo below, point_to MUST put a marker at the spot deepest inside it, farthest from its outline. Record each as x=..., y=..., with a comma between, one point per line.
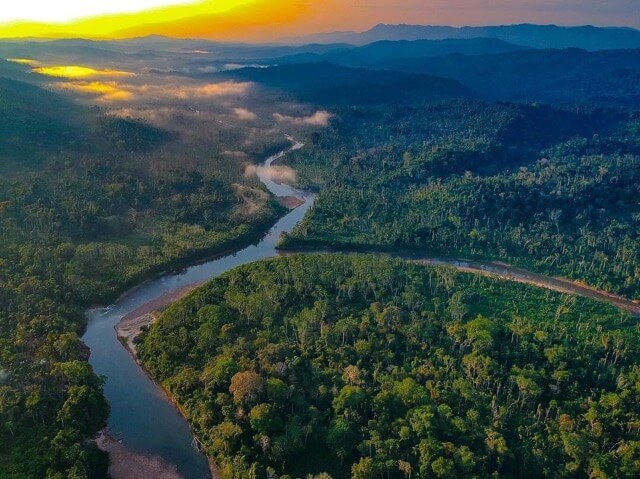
x=319, y=118
x=244, y=114
x=121, y=91
x=276, y=173
x=108, y=91
x=77, y=71
x=23, y=61
x=186, y=92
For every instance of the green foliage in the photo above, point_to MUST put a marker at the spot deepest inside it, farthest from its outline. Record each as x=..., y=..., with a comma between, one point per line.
x=370, y=368
x=552, y=190
x=79, y=227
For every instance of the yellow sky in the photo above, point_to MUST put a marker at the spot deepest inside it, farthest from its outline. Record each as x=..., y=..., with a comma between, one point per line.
x=249, y=20
x=234, y=19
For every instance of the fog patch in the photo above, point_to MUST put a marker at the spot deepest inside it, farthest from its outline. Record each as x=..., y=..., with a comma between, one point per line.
x=276, y=173
x=187, y=92
x=207, y=69
x=319, y=118
x=253, y=200
x=244, y=114
x=238, y=66
x=107, y=91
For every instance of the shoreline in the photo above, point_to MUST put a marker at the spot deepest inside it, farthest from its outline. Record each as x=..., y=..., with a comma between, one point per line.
x=127, y=464
x=514, y=274
x=132, y=324
x=195, y=259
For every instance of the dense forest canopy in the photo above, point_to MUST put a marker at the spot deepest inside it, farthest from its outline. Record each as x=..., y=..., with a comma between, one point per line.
x=340, y=366
x=550, y=189
x=88, y=207
x=369, y=368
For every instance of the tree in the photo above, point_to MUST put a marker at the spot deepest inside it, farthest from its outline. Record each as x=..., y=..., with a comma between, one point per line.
x=247, y=387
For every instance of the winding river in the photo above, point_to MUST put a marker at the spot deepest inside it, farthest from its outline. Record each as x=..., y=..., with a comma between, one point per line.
x=141, y=415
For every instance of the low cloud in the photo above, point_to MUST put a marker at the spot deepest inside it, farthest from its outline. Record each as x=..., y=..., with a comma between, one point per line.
x=319, y=118
x=276, y=173
x=240, y=155
x=244, y=114
x=215, y=89
x=118, y=91
x=187, y=92
x=107, y=91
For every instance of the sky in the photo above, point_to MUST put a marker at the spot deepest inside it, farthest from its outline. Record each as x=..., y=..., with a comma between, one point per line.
x=272, y=19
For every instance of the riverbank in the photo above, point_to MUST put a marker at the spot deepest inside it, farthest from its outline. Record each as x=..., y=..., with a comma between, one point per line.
x=487, y=267
x=149, y=424
x=133, y=323
x=518, y=275
x=125, y=464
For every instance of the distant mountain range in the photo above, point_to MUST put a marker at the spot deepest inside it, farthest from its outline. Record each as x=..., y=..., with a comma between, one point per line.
x=330, y=84
x=535, y=36
x=498, y=70
x=552, y=76
x=524, y=63
x=386, y=51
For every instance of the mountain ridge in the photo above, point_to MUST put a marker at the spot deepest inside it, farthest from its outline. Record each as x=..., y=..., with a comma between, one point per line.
x=588, y=37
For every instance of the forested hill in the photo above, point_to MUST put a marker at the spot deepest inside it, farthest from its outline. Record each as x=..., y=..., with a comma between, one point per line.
x=38, y=126
x=549, y=76
x=552, y=190
x=326, y=83
x=379, y=53
x=503, y=72
x=33, y=119
x=89, y=206
x=365, y=368
x=536, y=36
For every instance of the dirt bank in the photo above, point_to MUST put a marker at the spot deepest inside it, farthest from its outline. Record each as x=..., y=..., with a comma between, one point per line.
x=131, y=325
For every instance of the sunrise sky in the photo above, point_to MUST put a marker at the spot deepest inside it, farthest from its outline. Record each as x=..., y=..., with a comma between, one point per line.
x=272, y=19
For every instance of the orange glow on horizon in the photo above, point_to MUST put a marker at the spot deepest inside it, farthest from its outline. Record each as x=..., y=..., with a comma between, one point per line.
x=113, y=25
x=241, y=20
x=267, y=20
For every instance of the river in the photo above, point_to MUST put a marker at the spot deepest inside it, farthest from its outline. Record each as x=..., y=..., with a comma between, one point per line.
x=141, y=414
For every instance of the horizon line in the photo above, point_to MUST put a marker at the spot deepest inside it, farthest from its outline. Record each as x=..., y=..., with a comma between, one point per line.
x=104, y=38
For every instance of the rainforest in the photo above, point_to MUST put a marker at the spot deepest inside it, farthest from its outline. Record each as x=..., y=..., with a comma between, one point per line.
x=408, y=251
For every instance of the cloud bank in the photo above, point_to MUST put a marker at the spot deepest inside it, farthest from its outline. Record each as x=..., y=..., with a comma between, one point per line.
x=276, y=173
x=319, y=118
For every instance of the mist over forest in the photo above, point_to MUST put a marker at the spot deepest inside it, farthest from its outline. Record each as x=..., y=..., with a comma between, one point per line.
x=456, y=151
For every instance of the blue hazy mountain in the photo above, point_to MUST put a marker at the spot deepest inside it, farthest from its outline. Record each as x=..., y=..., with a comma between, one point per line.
x=327, y=83
x=387, y=51
x=537, y=36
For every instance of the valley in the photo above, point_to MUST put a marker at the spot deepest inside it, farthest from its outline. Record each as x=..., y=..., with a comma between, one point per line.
x=407, y=252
